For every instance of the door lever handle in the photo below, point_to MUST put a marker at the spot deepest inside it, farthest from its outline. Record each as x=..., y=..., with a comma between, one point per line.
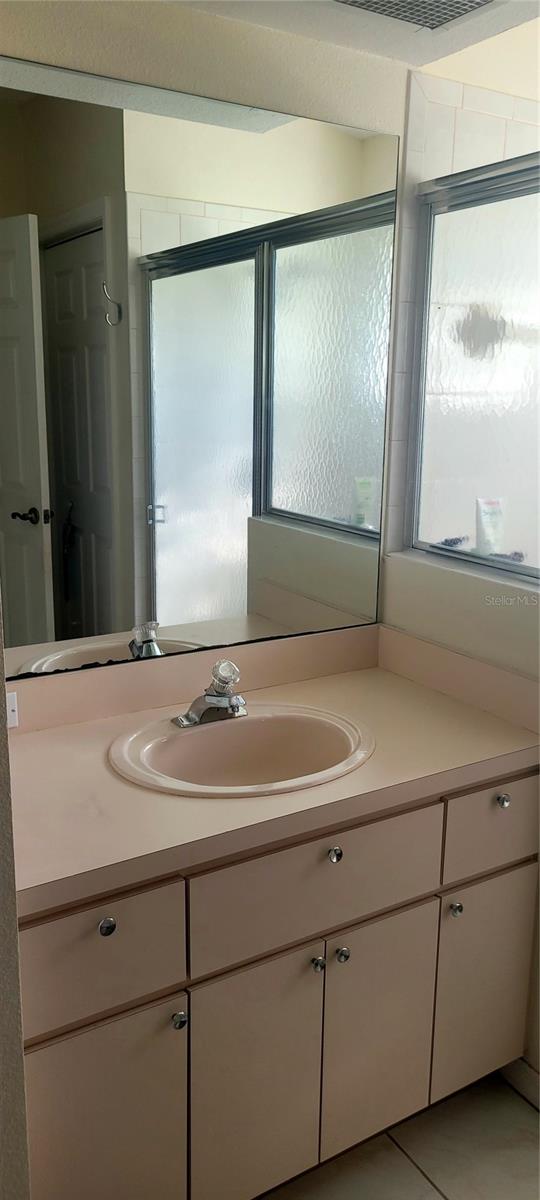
x=32, y=516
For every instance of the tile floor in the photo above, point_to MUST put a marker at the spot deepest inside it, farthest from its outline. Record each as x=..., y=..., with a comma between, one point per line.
x=481, y=1144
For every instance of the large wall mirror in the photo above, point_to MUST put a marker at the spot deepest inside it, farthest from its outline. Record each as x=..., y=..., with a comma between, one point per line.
x=194, y=337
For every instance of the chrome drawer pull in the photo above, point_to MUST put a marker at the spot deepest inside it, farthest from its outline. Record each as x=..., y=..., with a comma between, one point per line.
x=318, y=964
x=504, y=800
x=335, y=854
x=179, y=1020
x=343, y=954
x=456, y=908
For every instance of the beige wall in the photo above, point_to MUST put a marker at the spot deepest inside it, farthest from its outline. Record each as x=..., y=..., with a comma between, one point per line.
x=13, y=1156
x=74, y=154
x=13, y=186
x=296, y=167
x=58, y=155
x=379, y=161
x=507, y=63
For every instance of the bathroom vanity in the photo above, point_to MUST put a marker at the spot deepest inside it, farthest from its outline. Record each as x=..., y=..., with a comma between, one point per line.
x=220, y=993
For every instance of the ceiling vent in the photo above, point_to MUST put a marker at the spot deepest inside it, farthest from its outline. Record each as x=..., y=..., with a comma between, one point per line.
x=429, y=14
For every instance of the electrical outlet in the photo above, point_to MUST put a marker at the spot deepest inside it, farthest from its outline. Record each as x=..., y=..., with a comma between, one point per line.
x=12, y=710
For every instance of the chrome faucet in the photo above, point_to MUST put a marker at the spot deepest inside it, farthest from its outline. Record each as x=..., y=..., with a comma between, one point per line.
x=144, y=643
x=219, y=702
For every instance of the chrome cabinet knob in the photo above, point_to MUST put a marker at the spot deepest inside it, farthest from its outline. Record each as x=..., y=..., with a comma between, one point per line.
x=318, y=964
x=335, y=854
x=456, y=908
x=179, y=1020
x=343, y=954
x=504, y=800
x=107, y=926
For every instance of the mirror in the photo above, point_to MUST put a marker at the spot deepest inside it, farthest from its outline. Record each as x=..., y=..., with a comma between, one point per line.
x=194, y=332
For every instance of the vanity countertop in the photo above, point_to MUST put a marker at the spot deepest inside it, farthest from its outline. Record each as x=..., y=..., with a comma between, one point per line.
x=81, y=830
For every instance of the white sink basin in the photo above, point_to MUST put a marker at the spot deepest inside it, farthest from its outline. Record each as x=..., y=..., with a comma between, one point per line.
x=276, y=748
x=109, y=650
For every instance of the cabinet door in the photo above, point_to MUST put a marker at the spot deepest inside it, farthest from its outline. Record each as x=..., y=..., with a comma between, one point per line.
x=107, y=1110
x=483, y=978
x=255, y=1076
x=378, y=1017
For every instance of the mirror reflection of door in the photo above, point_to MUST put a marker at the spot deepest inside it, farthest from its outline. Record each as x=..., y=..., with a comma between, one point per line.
x=79, y=410
x=25, y=541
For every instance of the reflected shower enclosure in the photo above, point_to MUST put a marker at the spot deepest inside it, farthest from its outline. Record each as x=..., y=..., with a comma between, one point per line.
x=268, y=390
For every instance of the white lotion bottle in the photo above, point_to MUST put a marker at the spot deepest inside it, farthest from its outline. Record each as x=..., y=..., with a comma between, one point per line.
x=489, y=526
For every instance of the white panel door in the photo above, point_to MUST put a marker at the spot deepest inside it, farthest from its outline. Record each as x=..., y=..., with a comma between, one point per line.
x=25, y=545
x=79, y=409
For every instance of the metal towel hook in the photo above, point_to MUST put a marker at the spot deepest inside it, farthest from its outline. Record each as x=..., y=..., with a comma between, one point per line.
x=117, y=306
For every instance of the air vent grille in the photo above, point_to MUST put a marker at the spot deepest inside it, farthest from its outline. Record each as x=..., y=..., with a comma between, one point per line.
x=430, y=14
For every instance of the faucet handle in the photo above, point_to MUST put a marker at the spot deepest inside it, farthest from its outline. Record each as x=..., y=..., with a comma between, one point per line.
x=225, y=676
x=146, y=631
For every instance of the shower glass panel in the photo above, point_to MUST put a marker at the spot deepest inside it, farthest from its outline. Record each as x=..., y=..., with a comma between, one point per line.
x=481, y=412
x=202, y=334
x=332, y=312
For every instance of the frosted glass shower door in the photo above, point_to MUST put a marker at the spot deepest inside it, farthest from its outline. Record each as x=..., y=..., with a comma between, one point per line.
x=332, y=313
x=202, y=335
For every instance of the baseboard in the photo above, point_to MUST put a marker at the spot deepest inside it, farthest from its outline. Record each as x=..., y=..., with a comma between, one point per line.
x=524, y=1079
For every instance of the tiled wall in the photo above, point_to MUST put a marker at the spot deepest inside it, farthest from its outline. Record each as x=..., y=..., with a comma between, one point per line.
x=158, y=223
x=450, y=127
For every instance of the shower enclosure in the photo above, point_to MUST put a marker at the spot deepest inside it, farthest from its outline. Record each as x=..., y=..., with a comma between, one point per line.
x=268, y=353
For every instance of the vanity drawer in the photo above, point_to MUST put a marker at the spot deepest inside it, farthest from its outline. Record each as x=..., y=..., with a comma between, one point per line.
x=72, y=969
x=250, y=909
x=488, y=829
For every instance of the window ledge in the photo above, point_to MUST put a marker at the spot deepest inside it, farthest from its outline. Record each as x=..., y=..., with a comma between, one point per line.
x=321, y=531
x=507, y=581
